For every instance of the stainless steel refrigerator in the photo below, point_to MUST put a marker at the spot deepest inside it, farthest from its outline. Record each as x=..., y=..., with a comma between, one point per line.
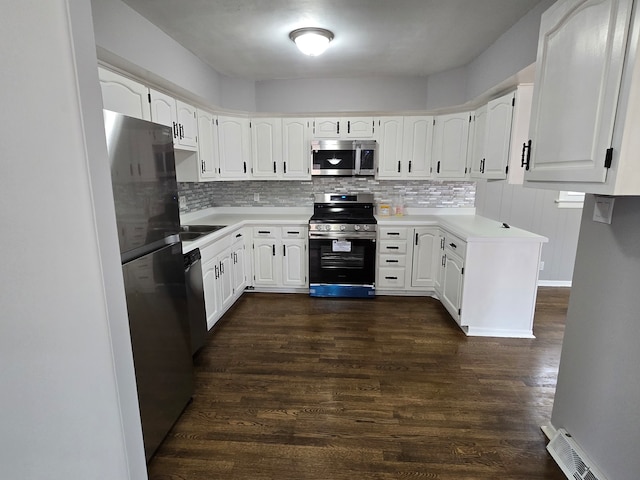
x=147, y=215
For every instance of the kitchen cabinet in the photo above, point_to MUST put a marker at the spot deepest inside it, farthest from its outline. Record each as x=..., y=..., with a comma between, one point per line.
x=239, y=262
x=425, y=256
x=450, y=138
x=492, y=138
x=389, y=134
x=296, y=149
x=280, y=257
x=234, y=147
x=585, y=113
x=452, y=276
x=280, y=148
x=343, y=127
x=407, y=258
x=203, y=165
x=178, y=115
x=266, y=148
x=123, y=95
x=217, y=281
x=417, y=145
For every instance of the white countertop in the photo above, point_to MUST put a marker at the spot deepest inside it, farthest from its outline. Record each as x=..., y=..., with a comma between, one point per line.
x=471, y=228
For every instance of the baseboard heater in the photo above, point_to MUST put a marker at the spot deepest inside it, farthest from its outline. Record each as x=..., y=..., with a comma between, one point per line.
x=571, y=458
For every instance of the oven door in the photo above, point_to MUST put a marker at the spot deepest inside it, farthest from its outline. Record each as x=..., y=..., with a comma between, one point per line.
x=342, y=266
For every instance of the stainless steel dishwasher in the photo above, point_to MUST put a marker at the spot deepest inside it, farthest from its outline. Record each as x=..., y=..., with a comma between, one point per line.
x=195, y=299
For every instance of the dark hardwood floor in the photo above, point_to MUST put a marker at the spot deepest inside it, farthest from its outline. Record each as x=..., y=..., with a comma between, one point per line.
x=293, y=387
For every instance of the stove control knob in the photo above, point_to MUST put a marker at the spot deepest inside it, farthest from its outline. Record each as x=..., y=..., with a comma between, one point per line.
x=327, y=227
x=356, y=227
x=366, y=227
x=343, y=227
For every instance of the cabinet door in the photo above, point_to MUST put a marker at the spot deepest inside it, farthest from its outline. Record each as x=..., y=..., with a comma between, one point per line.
x=498, y=137
x=238, y=253
x=234, y=147
x=294, y=263
x=452, y=284
x=478, y=145
x=357, y=127
x=417, y=146
x=207, y=145
x=225, y=280
x=296, y=150
x=326, y=127
x=187, y=125
x=125, y=96
x=163, y=110
x=581, y=51
x=389, y=134
x=440, y=264
x=266, y=147
x=426, y=248
x=450, y=137
x=212, y=304
x=265, y=265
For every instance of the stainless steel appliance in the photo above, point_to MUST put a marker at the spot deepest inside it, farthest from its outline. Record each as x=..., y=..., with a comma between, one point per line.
x=342, y=246
x=195, y=299
x=147, y=216
x=343, y=157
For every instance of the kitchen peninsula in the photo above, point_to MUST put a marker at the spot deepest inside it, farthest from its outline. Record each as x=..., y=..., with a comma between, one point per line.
x=484, y=272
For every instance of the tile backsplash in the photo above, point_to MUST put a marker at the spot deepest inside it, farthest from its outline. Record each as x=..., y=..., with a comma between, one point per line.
x=416, y=194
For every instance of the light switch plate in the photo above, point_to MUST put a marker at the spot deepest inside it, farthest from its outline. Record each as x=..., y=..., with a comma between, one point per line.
x=603, y=209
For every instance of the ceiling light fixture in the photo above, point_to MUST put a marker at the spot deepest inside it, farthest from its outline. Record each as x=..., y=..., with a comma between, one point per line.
x=311, y=41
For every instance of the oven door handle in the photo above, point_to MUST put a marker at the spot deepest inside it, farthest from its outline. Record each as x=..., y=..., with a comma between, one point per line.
x=358, y=158
x=341, y=236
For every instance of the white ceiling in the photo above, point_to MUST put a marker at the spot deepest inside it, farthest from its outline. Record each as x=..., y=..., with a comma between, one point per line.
x=250, y=38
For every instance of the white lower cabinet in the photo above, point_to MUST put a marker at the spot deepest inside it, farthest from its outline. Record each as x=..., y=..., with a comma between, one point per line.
x=280, y=257
x=407, y=258
x=452, y=276
x=224, y=274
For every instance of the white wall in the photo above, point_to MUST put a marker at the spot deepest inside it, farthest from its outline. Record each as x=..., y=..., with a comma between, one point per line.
x=598, y=383
x=69, y=407
x=341, y=94
x=535, y=210
x=512, y=52
x=447, y=88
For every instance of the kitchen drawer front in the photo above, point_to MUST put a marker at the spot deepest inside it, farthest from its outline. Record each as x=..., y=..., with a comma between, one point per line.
x=265, y=232
x=393, y=247
x=294, y=232
x=455, y=243
x=393, y=261
x=393, y=233
x=390, y=277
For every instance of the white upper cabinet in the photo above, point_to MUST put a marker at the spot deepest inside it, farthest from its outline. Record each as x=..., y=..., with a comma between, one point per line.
x=266, y=147
x=450, y=137
x=585, y=110
x=296, y=150
x=123, y=95
x=389, y=131
x=343, y=127
x=180, y=116
x=207, y=145
x=234, y=147
x=492, y=138
x=416, y=147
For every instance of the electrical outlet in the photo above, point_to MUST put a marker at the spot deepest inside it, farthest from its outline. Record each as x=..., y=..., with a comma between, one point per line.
x=541, y=266
x=256, y=197
x=182, y=201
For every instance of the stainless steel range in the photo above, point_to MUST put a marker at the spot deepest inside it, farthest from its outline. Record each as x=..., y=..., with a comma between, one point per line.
x=342, y=246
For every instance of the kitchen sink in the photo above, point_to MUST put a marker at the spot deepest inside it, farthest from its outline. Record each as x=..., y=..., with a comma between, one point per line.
x=191, y=232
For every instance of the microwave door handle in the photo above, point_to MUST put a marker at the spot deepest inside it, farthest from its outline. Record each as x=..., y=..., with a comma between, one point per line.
x=358, y=158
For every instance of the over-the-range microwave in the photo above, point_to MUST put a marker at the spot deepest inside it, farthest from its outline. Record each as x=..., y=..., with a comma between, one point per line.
x=343, y=158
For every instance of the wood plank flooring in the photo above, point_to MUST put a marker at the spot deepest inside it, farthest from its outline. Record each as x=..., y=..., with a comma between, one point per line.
x=294, y=387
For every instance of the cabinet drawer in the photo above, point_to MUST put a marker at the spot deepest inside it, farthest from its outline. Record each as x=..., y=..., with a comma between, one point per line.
x=391, y=247
x=391, y=277
x=265, y=232
x=294, y=232
x=393, y=233
x=455, y=243
x=393, y=261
